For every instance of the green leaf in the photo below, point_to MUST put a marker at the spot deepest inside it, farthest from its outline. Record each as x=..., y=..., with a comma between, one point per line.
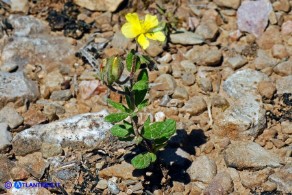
x=143, y=104
x=116, y=117
x=128, y=99
x=117, y=105
x=129, y=60
x=140, y=85
x=143, y=75
x=159, y=130
x=143, y=161
x=144, y=59
x=119, y=131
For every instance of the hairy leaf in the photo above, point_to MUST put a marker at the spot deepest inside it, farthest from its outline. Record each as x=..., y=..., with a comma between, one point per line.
x=160, y=130
x=143, y=161
x=119, y=131
x=117, y=105
x=116, y=117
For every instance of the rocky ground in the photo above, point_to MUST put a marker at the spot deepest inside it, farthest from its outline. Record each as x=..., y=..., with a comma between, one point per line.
x=225, y=76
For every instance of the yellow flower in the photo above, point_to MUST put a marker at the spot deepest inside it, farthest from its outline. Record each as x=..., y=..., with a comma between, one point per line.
x=143, y=29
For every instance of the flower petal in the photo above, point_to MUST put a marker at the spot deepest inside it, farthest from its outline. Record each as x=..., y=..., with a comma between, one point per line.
x=150, y=22
x=130, y=31
x=132, y=18
x=157, y=36
x=142, y=40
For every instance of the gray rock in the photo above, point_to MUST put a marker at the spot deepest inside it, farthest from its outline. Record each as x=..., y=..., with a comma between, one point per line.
x=234, y=4
x=254, y=179
x=283, y=178
x=195, y=105
x=204, y=81
x=208, y=30
x=264, y=60
x=16, y=87
x=202, y=169
x=186, y=38
x=284, y=68
x=27, y=25
x=19, y=6
x=5, y=167
x=164, y=85
x=11, y=117
x=67, y=174
x=49, y=150
x=237, y=61
x=97, y=5
x=252, y=16
x=283, y=85
x=34, y=164
x=188, y=78
x=245, y=118
x=247, y=154
x=175, y=157
x=180, y=93
x=286, y=127
x=62, y=95
x=189, y=66
x=44, y=49
x=53, y=80
x=113, y=187
x=221, y=184
x=5, y=137
x=243, y=82
x=204, y=55
x=85, y=130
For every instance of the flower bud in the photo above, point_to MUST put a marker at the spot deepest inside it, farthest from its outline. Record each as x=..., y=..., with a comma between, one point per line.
x=112, y=70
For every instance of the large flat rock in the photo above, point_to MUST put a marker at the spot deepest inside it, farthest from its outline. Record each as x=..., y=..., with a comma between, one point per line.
x=85, y=130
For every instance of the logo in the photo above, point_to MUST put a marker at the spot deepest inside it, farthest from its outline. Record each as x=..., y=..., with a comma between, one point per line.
x=8, y=185
x=17, y=184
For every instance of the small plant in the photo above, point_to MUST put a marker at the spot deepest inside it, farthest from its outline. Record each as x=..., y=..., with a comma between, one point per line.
x=127, y=125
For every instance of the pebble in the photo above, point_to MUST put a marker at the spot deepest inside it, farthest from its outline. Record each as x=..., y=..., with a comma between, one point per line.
x=204, y=55
x=188, y=78
x=34, y=115
x=283, y=85
x=237, y=62
x=269, y=38
x=255, y=156
x=11, y=117
x=286, y=28
x=264, y=60
x=165, y=58
x=5, y=137
x=221, y=184
x=62, y=95
x=286, y=127
x=155, y=49
x=252, y=16
x=165, y=84
x=19, y=173
x=96, y=5
x=202, y=169
x=204, y=81
x=123, y=171
x=159, y=116
x=237, y=85
x=186, y=38
x=19, y=6
x=208, y=29
x=15, y=87
x=284, y=68
x=245, y=118
x=34, y=164
x=50, y=150
x=266, y=89
x=283, y=178
x=102, y=184
x=253, y=179
x=279, y=51
x=195, y=106
x=84, y=130
x=234, y=4
x=189, y=66
x=180, y=93
x=281, y=5
x=113, y=187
